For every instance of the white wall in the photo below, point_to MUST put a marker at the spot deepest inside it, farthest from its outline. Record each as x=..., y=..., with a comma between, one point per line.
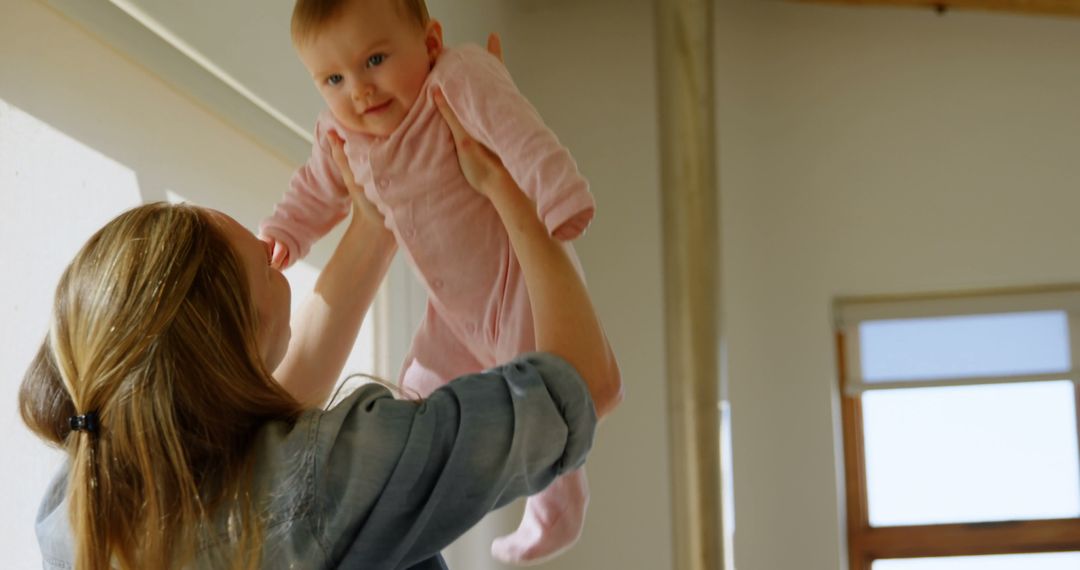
x=590, y=69
x=869, y=151
x=58, y=73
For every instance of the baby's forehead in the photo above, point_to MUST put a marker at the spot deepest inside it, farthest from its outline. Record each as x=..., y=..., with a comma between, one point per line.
x=375, y=17
x=410, y=11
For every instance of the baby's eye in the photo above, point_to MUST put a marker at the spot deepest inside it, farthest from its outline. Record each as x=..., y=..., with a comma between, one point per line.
x=334, y=79
x=376, y=59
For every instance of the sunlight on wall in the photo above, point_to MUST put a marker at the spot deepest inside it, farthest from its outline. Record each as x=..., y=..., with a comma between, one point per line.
x=302, y=276
x=54, y=193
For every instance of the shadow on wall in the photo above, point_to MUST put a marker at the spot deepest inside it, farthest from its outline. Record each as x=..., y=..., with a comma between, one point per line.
x=65, y=78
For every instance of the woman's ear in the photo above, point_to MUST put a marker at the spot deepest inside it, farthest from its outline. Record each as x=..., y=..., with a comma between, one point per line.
x=433, y=40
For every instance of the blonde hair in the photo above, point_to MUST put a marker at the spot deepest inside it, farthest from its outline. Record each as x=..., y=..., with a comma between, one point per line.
x=309, y=16
x=154, y=330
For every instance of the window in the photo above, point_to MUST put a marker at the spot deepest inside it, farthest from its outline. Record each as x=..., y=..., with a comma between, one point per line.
x=960, y=430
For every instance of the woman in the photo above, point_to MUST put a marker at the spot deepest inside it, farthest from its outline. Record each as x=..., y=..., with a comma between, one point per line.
x=158, y=379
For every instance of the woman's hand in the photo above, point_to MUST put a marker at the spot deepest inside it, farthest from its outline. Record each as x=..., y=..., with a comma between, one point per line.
x=361, y=205
x=325, y=328
x=494, y=46
x=480, y=166
x=564, y=320
x=482, y=169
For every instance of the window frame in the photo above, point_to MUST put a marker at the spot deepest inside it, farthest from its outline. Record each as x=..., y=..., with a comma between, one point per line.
x=866, y=543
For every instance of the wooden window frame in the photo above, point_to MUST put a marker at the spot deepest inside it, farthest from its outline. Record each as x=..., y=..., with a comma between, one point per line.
x=866, y=543
x=1068, y=8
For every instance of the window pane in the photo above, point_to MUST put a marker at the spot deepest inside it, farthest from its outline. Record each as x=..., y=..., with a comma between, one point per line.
x=971, y=453
x=1048, y=561
x=973, y=345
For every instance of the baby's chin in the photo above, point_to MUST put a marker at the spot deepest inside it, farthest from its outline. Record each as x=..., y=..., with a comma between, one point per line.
x=380, y=129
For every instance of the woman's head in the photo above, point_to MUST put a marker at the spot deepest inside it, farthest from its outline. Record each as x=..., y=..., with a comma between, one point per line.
x=167, y=325
x=270, y=292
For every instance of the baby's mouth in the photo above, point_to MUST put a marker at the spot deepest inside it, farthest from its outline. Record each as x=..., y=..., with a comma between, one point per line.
x=376, y=108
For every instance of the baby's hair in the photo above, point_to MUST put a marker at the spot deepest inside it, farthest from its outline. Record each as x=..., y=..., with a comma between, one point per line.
x=309, y=16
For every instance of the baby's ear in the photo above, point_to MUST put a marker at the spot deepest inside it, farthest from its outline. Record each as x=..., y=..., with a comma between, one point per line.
x=433, y=39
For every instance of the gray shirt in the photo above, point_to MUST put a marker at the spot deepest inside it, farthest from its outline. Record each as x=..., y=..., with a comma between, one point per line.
x=380, y=483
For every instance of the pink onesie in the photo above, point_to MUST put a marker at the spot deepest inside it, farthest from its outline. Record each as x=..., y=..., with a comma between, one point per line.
x=478, y=311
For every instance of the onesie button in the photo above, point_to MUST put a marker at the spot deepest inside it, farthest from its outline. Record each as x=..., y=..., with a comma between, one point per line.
x=409, y=233
x=384, y=182
x=436, y=284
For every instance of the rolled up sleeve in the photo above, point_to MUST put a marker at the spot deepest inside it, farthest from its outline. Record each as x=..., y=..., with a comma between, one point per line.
x=397, y=480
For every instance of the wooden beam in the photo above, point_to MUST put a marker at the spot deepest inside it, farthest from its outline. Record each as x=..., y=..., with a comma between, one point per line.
x=858, y=518
x=1042, y=7
x=1058, y=535
x=691, y=284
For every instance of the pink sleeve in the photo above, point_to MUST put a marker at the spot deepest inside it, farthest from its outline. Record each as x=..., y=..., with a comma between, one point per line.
x=316, y=201
x=479, y=89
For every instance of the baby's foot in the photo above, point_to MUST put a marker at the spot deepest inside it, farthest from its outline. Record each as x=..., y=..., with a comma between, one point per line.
x=552, y=523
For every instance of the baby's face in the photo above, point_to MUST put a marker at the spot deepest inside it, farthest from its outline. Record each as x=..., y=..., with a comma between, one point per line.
x=370, y=64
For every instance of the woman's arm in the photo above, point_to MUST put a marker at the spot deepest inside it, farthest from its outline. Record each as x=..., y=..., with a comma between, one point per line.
x=399, y=480
x=479, y=90
x=324, y=330
x=564, y=319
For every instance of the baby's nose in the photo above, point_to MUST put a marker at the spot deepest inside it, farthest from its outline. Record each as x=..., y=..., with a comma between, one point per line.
x=361, y=91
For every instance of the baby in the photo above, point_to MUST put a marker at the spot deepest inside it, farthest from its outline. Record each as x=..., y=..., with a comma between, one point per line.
x=376, y=64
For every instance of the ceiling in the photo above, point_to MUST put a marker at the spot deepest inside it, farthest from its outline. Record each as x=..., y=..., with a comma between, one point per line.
x=248, y=40
x=235, y=57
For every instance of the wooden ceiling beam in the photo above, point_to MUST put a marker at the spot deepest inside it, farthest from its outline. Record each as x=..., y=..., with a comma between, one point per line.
x=1041, y=7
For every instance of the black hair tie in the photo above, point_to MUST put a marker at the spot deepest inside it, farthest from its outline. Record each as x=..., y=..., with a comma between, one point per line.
x=87, y=422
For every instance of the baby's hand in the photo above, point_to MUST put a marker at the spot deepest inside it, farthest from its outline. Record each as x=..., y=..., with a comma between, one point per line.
x=279, y=253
